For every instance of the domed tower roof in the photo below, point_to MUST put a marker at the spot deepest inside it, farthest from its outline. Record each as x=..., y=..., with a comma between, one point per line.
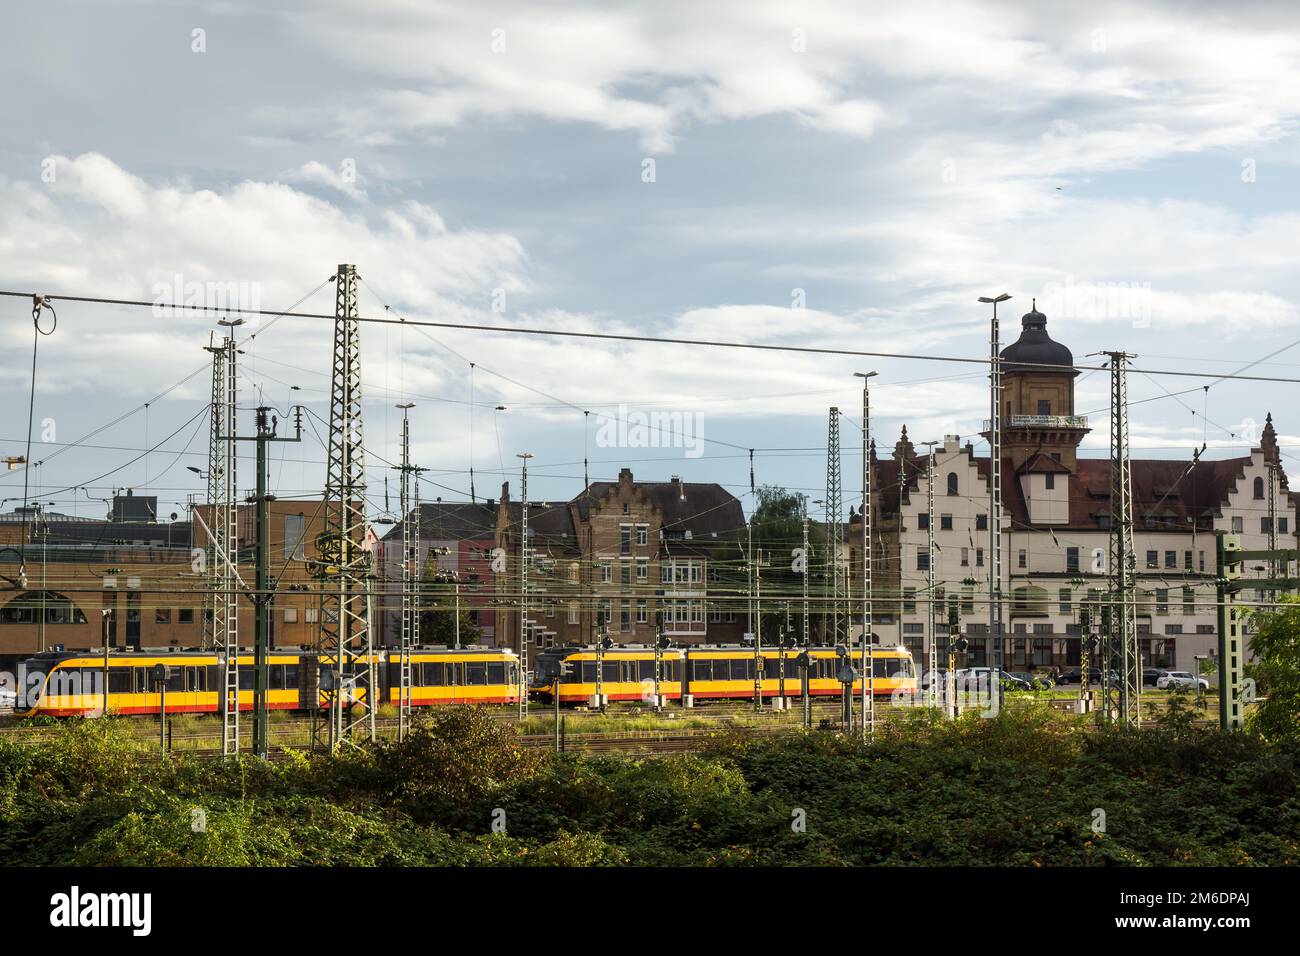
x=1035, y=346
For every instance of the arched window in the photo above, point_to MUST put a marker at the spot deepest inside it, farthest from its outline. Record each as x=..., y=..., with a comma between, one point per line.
x=26, y=609
x=1259, y=487
x=952, y=482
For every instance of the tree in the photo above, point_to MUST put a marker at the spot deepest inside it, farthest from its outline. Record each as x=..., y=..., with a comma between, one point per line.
x=1276, y=646
x=777, y=524
x=438, y=600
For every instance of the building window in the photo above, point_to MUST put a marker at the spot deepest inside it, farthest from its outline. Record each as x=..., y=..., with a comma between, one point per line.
x=295, y=531
x=1044, y=406
x=1050, y=481
x=573, y=612
x=1103, y=522
x=642, y=533
x=1259, y=489
x=952, y=482
x=945, y=522
x=1066, y=607
x=1171, y=559
x=185, y=615
x=625, y=617
x=968, y=601
x=979, y=557
x=981, y=522
x=290, y=615
x=1072, y=560
x=641, y=613
x=642, y=569
x=1189, y=601
x=1265, y=525
x=922, y=559
x=312, y=615
x=625, y=574
x=1187, y=560
x=923, y=521
x=606, y=573
x=1202, y=560
x=1022, y=559
x=1162, y=600
x=624, y=539
x=1281, y=526
x=1153, y=559
x=965, y=557
x=162, y=615
x=1237, y=524
x=909, y=600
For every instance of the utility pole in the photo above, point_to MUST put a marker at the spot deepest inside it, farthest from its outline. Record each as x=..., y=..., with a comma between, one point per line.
x=411, y=575
x=222, y=628
x=346, y=640
x=995, y=484
x=749, y=551
x=931, y=638
x=1125, y=701
x=834, y=508
x=807, y=570
x=868, y=639
x=524, y=552
x=263, y=596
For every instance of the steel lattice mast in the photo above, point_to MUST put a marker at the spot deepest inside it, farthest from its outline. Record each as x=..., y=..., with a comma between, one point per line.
x=346, y=644
x=222, y=633
x=868, y=640
x=931, y=638
x=995, y=488
x=834, y=508
x=411, y=575
x=1123, y=701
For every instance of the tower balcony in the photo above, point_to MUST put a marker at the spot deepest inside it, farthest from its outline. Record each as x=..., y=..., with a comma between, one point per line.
x=1041, y=421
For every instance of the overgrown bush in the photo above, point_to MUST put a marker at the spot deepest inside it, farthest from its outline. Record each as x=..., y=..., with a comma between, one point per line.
x=1027, y=788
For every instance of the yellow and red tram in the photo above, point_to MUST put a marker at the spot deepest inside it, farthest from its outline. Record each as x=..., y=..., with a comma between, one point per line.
x=711, y=672
x=72, y=684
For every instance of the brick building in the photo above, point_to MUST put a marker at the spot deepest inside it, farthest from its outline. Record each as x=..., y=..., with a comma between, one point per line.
x=625, y=558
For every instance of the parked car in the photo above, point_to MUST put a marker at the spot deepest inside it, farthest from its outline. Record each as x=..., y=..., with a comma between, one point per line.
x=1031, y=681
x=1072, y=675
x=1151, y=675
x=1181, y=680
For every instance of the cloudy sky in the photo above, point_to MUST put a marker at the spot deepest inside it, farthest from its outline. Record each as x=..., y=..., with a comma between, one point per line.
x=837, y=175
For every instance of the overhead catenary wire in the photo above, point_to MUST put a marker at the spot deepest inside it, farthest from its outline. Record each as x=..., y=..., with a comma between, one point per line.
x=656, y=339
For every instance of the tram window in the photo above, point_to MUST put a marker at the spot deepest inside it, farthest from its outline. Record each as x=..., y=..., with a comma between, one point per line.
x=176, y=679
x=701, y=670
x=588, y=672
x=245, y=678
x=609, y=672
x=432, y=674
x=194, y=678
x=668, y=670
x=290, y=676
x=140, y=683
x=476, y=674
x=742, y=669
x=275, y=677
x=119, y=680
x=645, y=670
x=496, y=672
x=214, y=677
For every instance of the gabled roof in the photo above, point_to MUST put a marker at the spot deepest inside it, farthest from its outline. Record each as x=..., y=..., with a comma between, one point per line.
x=453, y=520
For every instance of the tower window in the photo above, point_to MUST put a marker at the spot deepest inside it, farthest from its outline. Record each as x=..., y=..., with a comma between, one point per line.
x=1044, y=406
x=1051, y=480
x=1259, y=487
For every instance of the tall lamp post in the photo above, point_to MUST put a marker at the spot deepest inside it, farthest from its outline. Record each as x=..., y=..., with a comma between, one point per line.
x=995, y=483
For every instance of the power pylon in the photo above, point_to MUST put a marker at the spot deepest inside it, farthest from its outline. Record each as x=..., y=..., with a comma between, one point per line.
x=1124, y=701
x=346, y=643
x=411, y=575
x=834, y=508
x=222, y=626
